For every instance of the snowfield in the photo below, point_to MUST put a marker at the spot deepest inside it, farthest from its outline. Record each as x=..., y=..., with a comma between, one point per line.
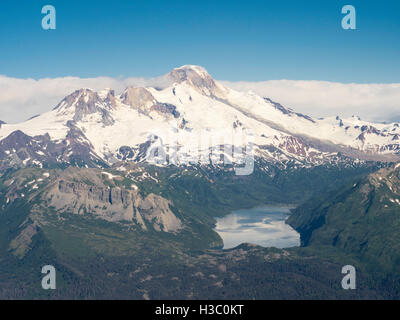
x=195, y=115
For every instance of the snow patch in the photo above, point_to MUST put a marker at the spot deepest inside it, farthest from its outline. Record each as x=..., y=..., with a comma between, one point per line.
x=109, y=175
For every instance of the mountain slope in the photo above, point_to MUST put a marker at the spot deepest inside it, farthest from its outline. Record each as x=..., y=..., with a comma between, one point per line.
x=107, y=242
x=362, y=219
x=120, y=193
x=194, y=119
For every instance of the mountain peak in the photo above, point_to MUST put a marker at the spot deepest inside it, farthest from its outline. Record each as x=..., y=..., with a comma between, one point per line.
x=84, y=102
x=138, y=98
x=191, y=73
x=81, y=96
x=198, y=78
x=201, y=71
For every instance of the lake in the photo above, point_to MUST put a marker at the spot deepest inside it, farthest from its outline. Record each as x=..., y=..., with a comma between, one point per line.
x=264, y=226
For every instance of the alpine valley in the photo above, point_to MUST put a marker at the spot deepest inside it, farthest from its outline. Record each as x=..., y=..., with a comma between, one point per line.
x=120, y=193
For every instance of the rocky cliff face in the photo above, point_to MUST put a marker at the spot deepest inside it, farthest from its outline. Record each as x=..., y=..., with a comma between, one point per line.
x=138, y=98
x=93, y=192
x=113, y=204
x=144, y=102
x=85, y=102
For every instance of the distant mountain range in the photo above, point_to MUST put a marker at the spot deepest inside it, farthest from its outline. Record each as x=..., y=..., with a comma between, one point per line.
x=89, y=128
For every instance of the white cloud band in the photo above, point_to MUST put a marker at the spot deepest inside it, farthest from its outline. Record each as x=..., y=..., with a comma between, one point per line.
x=374, y=102
x=23, y=98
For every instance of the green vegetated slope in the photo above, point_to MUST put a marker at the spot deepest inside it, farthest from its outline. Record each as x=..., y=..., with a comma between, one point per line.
x=98, y=259
x=361, y=219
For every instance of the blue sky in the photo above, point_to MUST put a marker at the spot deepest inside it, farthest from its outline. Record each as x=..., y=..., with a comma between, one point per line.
x=249, y=40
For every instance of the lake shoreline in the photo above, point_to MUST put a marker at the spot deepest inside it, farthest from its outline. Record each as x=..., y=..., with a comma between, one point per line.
x=264, y=225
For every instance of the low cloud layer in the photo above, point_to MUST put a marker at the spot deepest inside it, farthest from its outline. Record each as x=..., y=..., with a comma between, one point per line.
x=373, y=102
x=22, y=98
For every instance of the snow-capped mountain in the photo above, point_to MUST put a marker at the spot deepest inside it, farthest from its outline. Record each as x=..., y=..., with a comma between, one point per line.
x=192, y=119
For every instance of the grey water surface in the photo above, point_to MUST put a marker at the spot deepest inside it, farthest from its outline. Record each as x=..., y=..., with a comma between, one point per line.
x=264, y=226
